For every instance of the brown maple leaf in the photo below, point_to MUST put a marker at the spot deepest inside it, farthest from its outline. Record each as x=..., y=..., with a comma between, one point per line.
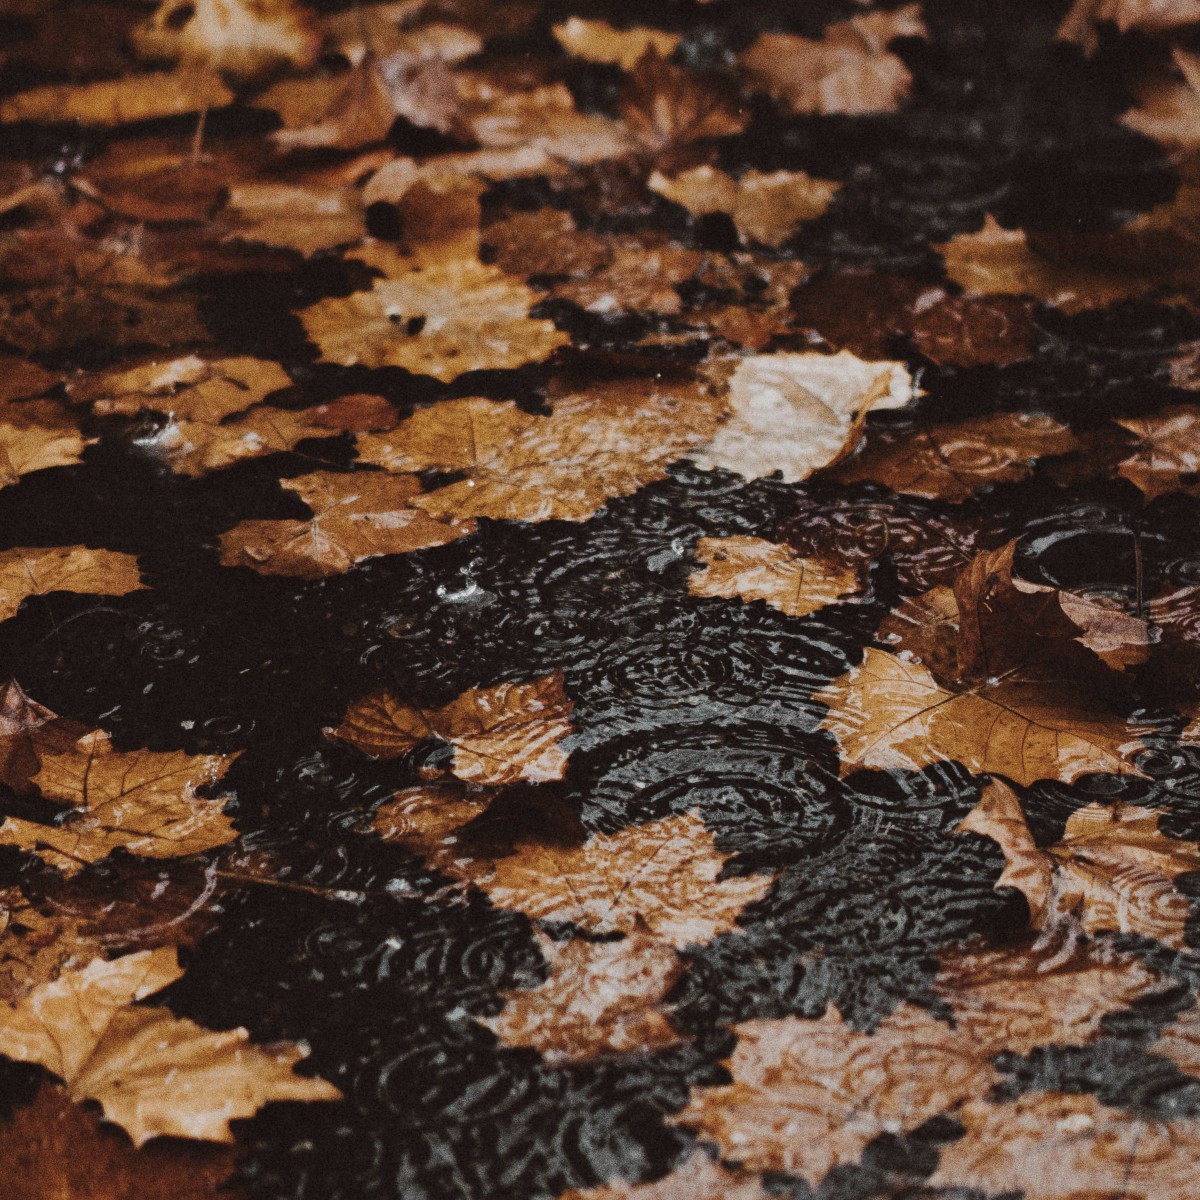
x=189, y=388
x=427, y=820
x=600, y=998
x=809, y=1095
x=36, y=948
x=1111, y=871
x=765, y=208
x=850, y=70
x=596, y=445
x=499, y=734
x=152, y=1073
x=750, y=568
x=972, y=331
x=999, y=674
x=1167, y=455
x=119, y=101
x=36, y=435
x=1146, y=16
x=297, y=217
x=600, y=42
x=355, y=517
x=796, y=413
x=699, y=1178
x=26, y=572
x=144, y=801
x=951, y=462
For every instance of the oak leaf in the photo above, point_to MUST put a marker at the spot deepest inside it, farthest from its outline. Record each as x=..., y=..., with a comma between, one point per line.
x=26, y=572
x=951, y=462
x=699, y=1178
x=765, y=208
x=119, y=101
x=1111, y=871
x=36, y=435
x=796, y=413
x=600, y=42
x=850, y=70
x=354, y=517
x=601, y=998
x=595, y=445
x=153, y=1073
x=143, y=801
x=190, y=388
x=500, y=734
x=1167, y=455
x=751, y=568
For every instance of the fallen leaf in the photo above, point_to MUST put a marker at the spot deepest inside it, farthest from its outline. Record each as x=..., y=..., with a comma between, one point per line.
x=700, y=1178
x=36, y=949
x=972, y=331
x=499, y=734
x=663, y=876
x=36, y=435
x=355, y=517
x=1146, y=16
x=427, y=820
x=808, y=1095
x=1168, y=105
x=796, y=413
x=22, y=380
x=119, y=101
x=596, y=445
x=951, y=462
x=20, y=719
x=437, y=318
x=1167, y=455
x=601, y=998
x=385, y=29
x=144, y=801
x=28, y=572
x=850, y=70
x=291, y=217
x=750, y=568
x=667, y=106
x=642, y=273
x=1180, y=1042
x=190, y=388
x=1053, y=1146
x=153, y=1073
x=243, y=38
x=599, y=42
x=546, y=242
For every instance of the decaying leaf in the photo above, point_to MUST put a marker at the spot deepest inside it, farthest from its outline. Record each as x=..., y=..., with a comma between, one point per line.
x=1111, y=871
x=700, y=1178
x=850, y=70
x=355, y=517
x=1167, y=455
x=499, y=734
x=153, y=1074
x=119, y=101
x=599, y=42
x=601, y=998
x=190, y=388
x=294, y=217
x=35, y=435
x=596, y=445
x=751, y=568
x=764, y=208
x=26, y=572
x=796, y=413
x=143, y=800
x=951, y=462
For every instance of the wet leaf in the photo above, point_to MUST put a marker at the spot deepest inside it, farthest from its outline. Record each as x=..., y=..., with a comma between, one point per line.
x=355, y=517
x=667, y=106
x=499, y=734
x=119, y=101
x=1146, y=16
x=700, y=1178
x=1168, y=105
x=36, y=948
x=34, y=436
x=20, y=719
x=1167, y=455
x=291, y=217
x=753, y=569
x=797, y=413
x=153, y=1074
x=26, y=572
x=427, y=820
x=599, y=42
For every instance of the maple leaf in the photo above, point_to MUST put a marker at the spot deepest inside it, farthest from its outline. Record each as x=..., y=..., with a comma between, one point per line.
x=1001, y=675
x=1167, y=456
x=355, y=517
x=751, y=568
x=808, y=1095
x=699, y=1178
x=190, y=388
x=1111, y=870
x=35, y=948
x=499, y=734
x=427, y=821
x=600, y=42
x=433, y=318
x=662, y=876
x=1147, y=16
x=1000, y=261
x=26, y=572
x=598, y=444
x=952, y=461
x=153, y=1073
x=765, y=208
x=144, y=801
x=242, y=38
x=796, y=413
x=1054, y=1146
x=850, y=70
x=668, y=106
x=601, y=998
x=119, y=101
x=295, y=217
x=36, y=435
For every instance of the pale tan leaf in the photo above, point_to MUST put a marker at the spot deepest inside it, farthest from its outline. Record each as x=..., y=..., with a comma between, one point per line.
x=292, y=217
x=119, y=101
x=600, y=42
x=27, y=571
x=36, y=435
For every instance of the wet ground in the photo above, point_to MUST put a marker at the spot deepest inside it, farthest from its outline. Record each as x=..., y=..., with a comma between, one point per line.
x=621, y=599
